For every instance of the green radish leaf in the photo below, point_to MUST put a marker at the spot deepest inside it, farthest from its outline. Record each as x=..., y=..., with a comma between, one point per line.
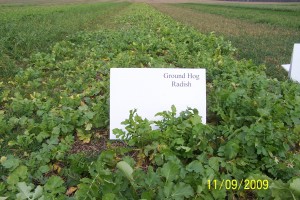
x=109, y=196
x=195, y=166
x=25, y=192
x=231, y=150
x=84, y=137
x=10, y=162
x=88, y=127
x=182, y=190
x=54, y=185
x=126, y=169
x=170, y=171
x=295, y=185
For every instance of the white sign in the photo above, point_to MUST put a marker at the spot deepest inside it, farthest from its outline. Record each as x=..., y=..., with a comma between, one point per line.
x=153, y=90
x=294, y=68
x=294, y=73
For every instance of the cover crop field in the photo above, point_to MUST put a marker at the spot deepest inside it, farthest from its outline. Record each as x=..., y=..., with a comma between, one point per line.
x=264, y=33
x=26, y=29
x=54, y=113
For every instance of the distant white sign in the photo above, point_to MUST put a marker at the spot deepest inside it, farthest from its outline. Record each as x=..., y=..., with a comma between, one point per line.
x=152, y=90
x=294, y=68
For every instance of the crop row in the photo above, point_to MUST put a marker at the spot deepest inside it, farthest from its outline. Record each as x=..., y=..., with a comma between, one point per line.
x=26, y=29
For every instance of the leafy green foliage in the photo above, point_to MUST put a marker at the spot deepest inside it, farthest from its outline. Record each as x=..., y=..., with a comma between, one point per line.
x=252, y=129
x=25, y=192
x=54, y=186
x=258, y=31
x=126, y=169
x=27, y=29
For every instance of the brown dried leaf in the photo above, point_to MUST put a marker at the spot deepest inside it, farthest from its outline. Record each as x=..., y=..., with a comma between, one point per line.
x=56, y=167
x=71, y=190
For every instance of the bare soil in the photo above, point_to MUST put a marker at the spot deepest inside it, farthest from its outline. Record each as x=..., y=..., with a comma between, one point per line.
x=97, y=144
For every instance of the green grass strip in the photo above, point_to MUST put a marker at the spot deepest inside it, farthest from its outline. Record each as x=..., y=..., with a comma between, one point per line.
x=285, y=16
